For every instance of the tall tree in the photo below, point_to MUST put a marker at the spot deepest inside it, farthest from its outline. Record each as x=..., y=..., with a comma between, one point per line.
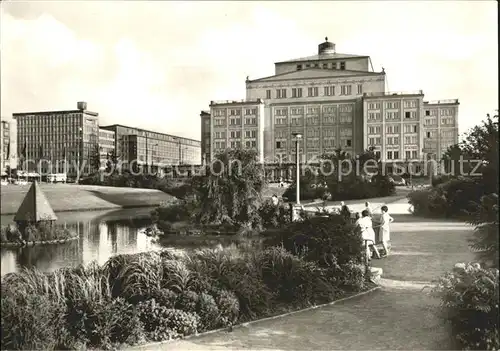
x=230, y=191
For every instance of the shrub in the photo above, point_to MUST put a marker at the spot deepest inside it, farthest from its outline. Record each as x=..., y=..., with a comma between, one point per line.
x=187, y=301
x=165, y=216
x=469, y=297
x=294, y=280
x=228, y=305
x=448, y=199
x=274, y=216
x=127, y=326
x=347, y=277
x=325, y=240
x=485, y=239
x=165, y=297
x=162, y=323
x=31, y=322
x=208, y=311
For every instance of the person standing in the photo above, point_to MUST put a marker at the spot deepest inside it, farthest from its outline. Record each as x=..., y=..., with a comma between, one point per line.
x=275, y=200
x=368, y=208
x=385, y=231
x=368, y=234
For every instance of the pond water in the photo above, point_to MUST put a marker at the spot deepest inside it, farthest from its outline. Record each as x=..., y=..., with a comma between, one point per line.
x=102, y=234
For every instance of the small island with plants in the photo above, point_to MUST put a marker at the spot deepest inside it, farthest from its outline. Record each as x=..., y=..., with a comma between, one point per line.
x=34, y=223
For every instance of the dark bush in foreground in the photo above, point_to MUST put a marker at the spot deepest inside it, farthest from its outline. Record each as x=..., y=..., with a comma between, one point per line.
x=469, y=296
x=325, y=240
x=39, y=232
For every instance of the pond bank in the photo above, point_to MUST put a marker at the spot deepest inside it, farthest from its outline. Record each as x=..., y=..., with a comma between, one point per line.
x=74, y=197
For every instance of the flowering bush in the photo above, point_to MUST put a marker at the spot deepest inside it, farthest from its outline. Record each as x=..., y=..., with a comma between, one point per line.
x=469, y=296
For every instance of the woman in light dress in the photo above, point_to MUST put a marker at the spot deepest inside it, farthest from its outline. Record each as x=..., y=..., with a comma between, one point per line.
x=385, y=228
x=367, y=232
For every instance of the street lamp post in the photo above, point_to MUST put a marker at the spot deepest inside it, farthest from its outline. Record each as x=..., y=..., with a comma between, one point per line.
x=297, y=137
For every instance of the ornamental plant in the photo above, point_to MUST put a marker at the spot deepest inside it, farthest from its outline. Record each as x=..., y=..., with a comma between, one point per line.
x=469, y=303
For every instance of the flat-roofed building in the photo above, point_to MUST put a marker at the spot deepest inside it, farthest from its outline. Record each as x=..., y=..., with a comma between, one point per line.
x=440, y=125
x=147, y=148
x=57, y=141
x=338, y=101
x=237, y=124
x=206, y=137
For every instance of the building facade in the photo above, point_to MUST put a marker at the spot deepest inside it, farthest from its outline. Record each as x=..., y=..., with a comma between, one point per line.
x=57, y=141
x=338, y=101
x=134, y=146
x=5, y=144
x=237, y=124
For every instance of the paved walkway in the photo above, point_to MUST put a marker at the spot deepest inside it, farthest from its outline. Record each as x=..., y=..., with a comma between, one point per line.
x=400, y=315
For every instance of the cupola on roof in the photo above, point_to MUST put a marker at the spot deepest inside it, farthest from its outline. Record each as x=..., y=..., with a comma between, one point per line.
x=326, y=48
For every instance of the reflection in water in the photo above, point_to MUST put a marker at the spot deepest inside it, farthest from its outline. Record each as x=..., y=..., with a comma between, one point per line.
x=100, y=237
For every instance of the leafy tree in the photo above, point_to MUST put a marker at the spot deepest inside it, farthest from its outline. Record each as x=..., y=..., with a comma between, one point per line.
x=95, y=158
x=230, y=191
x=485, y=240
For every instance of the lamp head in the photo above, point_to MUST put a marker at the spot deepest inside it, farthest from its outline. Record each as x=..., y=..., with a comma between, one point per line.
x=297, y=135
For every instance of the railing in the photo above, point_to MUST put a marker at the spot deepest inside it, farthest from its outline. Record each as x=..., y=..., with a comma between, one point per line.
x=219, y=102
x=394, y=93
x=445, y=101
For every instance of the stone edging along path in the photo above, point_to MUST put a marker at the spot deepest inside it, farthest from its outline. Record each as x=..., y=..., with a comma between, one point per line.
x=33, y=243
x=246, y=324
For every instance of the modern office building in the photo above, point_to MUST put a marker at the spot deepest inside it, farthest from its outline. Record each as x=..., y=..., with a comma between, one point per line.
x=237, y=124
x=5, y=144
x=337, y=100
x=106, y=145
x=206, y=137
x=57, y=141
x=147, y=148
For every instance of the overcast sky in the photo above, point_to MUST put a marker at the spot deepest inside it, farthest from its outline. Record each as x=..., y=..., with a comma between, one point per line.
x=156, y=64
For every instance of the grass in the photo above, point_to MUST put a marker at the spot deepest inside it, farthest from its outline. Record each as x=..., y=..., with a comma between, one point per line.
x=72, y=197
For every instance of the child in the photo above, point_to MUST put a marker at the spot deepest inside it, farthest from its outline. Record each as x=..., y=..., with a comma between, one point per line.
x=385, y=229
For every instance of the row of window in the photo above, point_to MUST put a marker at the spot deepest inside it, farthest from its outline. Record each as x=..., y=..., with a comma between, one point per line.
x=313, y=110
x=327, y=65
x=392, y=115
x=221, y=145
x=298, y=121
x=234, y=112
x=393, y=140
x=394, y=129
x=331, y=90
x=393, y=104
x=315, y=143
x=235, y=121
x=236, y=134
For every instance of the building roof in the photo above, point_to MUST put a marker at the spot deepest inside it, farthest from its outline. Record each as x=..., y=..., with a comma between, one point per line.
x=14, y=115
x=316, y=73
x=113, y=126
x=35, y=206
x=331, y=56
x=442, y=102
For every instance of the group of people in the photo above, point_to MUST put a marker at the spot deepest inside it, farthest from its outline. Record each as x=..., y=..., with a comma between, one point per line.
x=365, y=223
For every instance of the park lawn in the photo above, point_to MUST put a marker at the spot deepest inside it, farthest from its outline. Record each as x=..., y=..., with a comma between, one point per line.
x=388, y=319
x=72, y=197
x=423, y=249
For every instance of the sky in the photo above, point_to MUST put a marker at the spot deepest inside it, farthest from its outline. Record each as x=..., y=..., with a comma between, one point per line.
x=157, y=64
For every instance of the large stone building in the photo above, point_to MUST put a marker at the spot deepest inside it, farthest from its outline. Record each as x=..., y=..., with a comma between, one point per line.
x=148, y=148
x=335, y=100
x=57, y=141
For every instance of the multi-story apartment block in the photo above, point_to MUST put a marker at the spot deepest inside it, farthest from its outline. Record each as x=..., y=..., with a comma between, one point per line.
x=440, y=126
x=5, y=144
x=338, y=101
x=57, y=141
x=106, y=145
x=148, y=148
x=237, y=124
